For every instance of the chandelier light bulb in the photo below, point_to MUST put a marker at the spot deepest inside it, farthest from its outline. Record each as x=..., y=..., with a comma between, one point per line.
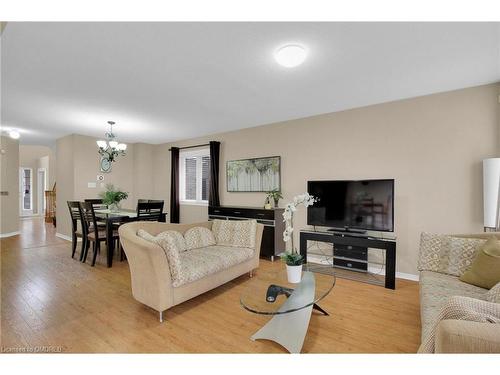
x=113, y=144
x=290, y=56
x=121, y=147
x=102, y=144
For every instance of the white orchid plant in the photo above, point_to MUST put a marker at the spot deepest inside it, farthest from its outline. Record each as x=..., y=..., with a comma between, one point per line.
x=292, y=257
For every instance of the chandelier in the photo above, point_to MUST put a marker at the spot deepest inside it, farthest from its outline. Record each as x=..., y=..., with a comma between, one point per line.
x=110, y=148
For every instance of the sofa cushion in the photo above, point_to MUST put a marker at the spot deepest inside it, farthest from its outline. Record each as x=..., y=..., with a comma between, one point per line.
x=447, y=254
x=485, y=270
x=493, y=295
x=198, y=263
x=199, y=237
x=170, y=242
x=239, y=233
x=177, y=237
x=435, y=288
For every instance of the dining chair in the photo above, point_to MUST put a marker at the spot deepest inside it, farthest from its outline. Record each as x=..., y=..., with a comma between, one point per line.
x=94, y=233
x=74, y=211
x=142, y=200
x=156, y=201
x=149, y=211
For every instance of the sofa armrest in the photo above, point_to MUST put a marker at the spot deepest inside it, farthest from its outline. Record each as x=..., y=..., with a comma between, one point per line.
x=462, y=336
x=149, y=269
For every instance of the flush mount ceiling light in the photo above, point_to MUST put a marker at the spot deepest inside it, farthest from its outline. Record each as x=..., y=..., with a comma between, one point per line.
x=290, y=55
x=14, y=134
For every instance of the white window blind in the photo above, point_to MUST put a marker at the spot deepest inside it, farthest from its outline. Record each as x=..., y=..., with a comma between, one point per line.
x=194, y=176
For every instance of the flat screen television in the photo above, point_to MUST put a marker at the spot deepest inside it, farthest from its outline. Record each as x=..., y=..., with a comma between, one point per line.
x=359, y=205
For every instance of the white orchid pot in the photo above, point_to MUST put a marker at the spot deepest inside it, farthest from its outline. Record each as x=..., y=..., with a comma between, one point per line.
x=294, y=273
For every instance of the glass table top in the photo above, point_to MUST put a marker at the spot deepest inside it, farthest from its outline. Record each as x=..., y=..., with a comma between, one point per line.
x=254, y=296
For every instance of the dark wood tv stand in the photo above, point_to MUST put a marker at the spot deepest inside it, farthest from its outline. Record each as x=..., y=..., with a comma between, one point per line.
x=338, y=238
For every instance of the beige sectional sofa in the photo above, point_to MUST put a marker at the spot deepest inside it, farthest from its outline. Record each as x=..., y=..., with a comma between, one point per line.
x=154, y=282
x=440, y=266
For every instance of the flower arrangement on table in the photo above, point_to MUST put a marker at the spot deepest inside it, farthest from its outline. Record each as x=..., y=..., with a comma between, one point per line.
x=292, y=258
x=111, y=197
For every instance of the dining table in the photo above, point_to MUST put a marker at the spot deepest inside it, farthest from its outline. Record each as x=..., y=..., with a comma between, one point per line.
x=114, y=219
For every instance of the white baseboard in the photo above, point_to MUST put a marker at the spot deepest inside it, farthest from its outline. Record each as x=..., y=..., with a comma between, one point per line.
x=67, y=238
x=4, y=235
x=407, y=276
x=399, y=275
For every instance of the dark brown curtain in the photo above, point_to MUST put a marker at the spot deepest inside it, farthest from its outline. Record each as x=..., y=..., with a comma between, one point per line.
x=174, y=185
x=213, y=192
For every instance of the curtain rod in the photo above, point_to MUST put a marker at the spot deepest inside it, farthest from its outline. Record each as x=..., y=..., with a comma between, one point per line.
x=183, y=148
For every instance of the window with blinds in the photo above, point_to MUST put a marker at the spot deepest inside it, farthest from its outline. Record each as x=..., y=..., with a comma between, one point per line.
x=194, y=176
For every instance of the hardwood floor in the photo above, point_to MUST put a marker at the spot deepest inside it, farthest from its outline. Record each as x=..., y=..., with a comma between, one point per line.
x=49, y=299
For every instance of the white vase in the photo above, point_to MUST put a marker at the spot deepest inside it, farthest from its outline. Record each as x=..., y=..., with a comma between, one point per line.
x=294, y=273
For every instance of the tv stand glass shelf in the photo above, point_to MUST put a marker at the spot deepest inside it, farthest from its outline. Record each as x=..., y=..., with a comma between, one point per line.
x=348, y=257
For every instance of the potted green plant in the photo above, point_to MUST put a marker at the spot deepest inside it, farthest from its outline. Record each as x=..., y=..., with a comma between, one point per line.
x=112, y=197
x=292, y=258
x=275, y=195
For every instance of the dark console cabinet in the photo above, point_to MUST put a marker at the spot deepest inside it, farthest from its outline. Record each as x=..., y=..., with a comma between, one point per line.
x=272, y=237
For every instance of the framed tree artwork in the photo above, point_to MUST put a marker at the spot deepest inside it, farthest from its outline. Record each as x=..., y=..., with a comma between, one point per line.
x=254, y=175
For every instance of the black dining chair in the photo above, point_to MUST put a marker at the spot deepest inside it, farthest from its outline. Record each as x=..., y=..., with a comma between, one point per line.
x=94, y=233
x=75, y=214
x=98, y=205
x=150, y=201
x=96, y=202
x=156, y=201
x=149, y=211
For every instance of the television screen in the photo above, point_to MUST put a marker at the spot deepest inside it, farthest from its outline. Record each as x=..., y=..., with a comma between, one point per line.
x=366, y=204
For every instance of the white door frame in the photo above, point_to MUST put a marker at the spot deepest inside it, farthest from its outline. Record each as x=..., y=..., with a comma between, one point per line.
x=41, y=187
x=22, y=211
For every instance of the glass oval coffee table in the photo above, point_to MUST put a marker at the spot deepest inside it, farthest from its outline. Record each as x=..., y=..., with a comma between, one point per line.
x=291, y=305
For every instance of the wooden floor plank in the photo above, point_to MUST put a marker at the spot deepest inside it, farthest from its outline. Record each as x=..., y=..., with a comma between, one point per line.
x=48, y=298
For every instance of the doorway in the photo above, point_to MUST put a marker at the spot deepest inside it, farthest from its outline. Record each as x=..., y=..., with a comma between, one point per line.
x=26, y=191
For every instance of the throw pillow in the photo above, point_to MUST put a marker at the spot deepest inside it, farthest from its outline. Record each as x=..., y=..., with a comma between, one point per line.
x=431, y=247
x=485, y=270
x=238, y=233
x=493, y=295
x=197, y=237
x=168, y=243
x=171, y=242
x=446, y=254
x=462, y=252
x=177, y=237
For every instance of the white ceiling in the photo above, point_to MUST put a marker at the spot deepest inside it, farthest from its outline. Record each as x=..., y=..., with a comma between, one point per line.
x=162, y=82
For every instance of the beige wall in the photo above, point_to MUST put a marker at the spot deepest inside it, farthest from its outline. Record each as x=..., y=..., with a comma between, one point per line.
x=432, y=146
x=143, y=171
x=9, y=177
x=35, y=157
x=65, y=177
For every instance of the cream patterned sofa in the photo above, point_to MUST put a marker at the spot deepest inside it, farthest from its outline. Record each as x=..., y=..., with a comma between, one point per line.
x=443, y=259
x=160, y=284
